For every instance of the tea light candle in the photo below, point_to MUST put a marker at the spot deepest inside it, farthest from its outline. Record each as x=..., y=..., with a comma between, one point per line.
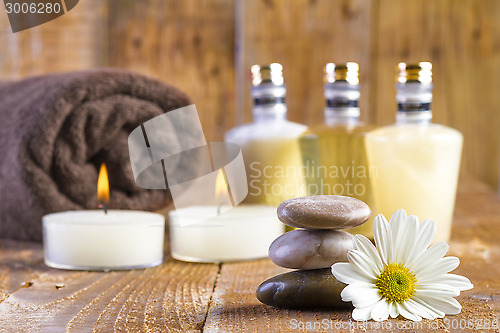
x=243, y=232
x=103, y=239
x=94, y=240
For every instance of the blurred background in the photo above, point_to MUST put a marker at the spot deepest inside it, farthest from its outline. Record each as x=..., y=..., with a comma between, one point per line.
x=206, y=47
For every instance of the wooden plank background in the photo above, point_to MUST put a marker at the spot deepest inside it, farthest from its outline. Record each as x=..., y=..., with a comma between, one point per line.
x=206, y=48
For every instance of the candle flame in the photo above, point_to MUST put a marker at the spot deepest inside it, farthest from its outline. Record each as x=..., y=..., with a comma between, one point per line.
x=221, y=188
x=103, y=185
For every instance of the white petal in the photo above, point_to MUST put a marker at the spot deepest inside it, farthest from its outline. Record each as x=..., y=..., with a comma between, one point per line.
x=347, y=273
x=409, y=240
x=419, y=309
x=362, y=314
x=431, y=256
x=397, y=224
x=442, y=267
x=369, y=299
x=403, y=310
x=398, y=217
x=363, y=264
x=408, y=312
x=431, y=310
x=393, y=311
x=456, y=281
x=363, y=244
x=381, y=310
x=426, y=231
x=448, y=305
x=398, y=308
x=437, y=292
x=363, y=294
x=437, y=286
x=383, y=238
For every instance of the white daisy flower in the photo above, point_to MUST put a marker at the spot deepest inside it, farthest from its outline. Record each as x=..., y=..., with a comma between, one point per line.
x=401, y=275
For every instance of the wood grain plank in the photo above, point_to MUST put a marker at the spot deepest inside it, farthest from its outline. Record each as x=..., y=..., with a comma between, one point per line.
x=303, y=36
x=172, y=297
x=461, y=39
x=186, y=43
x=20, y=263
x=74, y=41
x=234, y=306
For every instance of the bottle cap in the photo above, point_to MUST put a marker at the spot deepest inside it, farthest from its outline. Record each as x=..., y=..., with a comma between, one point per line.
x=421, y=72
x=272, y=73
x=348, y=72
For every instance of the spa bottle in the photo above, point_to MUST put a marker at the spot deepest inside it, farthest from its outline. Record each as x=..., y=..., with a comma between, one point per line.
x=334, y=153
x=417, y=161
x=269, y=144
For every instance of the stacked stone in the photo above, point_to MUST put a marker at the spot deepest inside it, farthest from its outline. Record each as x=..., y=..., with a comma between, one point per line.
x=312, y=250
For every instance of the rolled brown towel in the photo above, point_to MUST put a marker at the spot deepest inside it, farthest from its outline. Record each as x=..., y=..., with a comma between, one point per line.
x=56, y=131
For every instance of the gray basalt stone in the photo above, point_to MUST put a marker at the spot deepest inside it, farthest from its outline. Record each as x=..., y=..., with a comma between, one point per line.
x=310, y=289
x=323, y=212
x=310, y=249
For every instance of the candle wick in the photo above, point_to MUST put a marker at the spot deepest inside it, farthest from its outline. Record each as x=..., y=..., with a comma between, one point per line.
x=218, y=209
x=101, y=206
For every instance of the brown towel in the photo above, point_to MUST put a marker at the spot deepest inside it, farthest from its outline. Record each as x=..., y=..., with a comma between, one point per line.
x=57, y=129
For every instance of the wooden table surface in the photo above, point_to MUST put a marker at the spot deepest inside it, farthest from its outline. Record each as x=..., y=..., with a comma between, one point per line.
x=189, y=297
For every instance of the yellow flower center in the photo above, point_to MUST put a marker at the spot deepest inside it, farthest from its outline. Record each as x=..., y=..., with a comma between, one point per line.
x=396, y=283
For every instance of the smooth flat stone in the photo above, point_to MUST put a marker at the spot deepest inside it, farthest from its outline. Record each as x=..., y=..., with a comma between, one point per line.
x=310, y=249
x=323, y=212
x=311, y=289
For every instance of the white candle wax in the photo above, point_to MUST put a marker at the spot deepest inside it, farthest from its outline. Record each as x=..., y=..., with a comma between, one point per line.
x=244, y=232
x=93, y=240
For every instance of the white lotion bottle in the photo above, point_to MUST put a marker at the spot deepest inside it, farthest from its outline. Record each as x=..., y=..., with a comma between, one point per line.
x=416, y=162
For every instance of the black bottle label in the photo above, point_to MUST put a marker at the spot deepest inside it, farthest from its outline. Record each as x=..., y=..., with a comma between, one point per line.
x=413, y=106
x=268, y=100
x=341, y=103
